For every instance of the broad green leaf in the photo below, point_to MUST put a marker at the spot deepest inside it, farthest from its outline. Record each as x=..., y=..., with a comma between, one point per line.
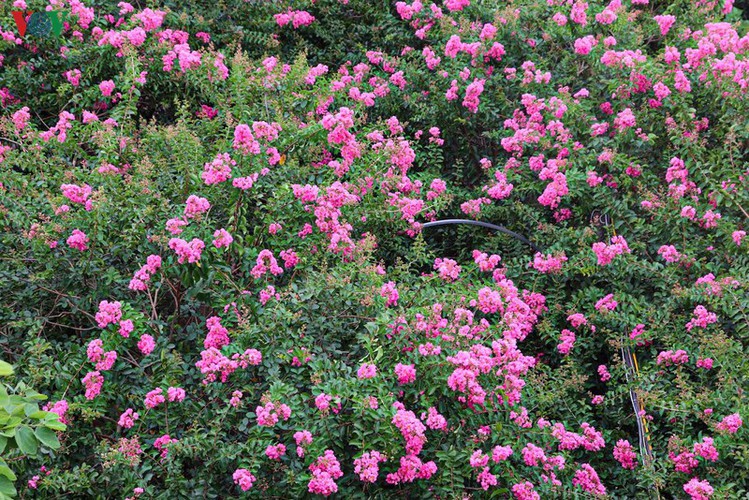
x=26, y=440
x=5, y=471
x=55, y=425
x=5, y=369
x=6, y=487
x=48, y=437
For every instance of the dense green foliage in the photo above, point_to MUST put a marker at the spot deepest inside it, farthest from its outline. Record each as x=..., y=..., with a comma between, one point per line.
x=565, y=136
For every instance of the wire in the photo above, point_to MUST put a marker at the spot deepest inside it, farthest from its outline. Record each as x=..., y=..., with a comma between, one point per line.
x=501, y=229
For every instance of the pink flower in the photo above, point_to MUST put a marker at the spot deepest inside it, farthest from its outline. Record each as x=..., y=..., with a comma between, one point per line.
x=127, y=419
x=106, y=87
x=738, y=237
x=701, y=318
x=668, y=358
x=268, y=415
x=525, y=491
x=222, y=238
x=706, y=449
x=548, y=264
x=93, y=382
x=730, y=424
x=109, y=312
x=78, y=240
x=275, y=452
x=366, y=371
x=175, y=394
x=405, y=373
x=325, y=469
x=73, y=76
x=154, y=398
x=218, y=336
x=290, y=258
x=146, y=344
x=698, y=490
x=190, y=252
x=606, y=253
x=195, y=206
x=567, y=339
x=218, y=170
x=606, y=304
x=412, y=430
x=587, y=478
x=669, y=253
x=389, y=292
x=21, y=118
x=449, y=269
x=706, y=363
x=665, y=23
x=434, y=420
x=625, y=119
x=625, y=455
x=244, y=479
x=151, y=19
x=322, y=402
x=366, y=466
x=126, y=327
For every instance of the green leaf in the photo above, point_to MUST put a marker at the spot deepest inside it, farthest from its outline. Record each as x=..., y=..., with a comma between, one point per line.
x=48, y=437
x=5, y=369
x=26, y=440
x=6, y=487
x=55, y=425
x=3, y=443
x=5, y=471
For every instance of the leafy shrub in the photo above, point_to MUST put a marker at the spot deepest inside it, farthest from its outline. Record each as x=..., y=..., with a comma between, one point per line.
x=215, y=261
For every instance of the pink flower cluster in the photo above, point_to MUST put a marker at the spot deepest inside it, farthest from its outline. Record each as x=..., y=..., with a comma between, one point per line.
x=266, y=262
x=587, y=478
x=567, y=341
x=701, y=318
x=389, y=292
x=297, y=18
x=275, y=452
x=411, y=468
x=128, y=418
x=625, y=455
x=218, y=170
x=405, y=373
x=187, y=251
x=668, y=358
x=325, y=470
x=367, y=466
x=412, y=430
x=606, y=253
x=212, y=363
x=143, y=275
x=484, y=261
x=268, y=415
x=93, y=382
x=548, y=264
x=218, y=336
x=698, y=490
x=730, y=424
x=78, y=240
x=449, y=269
x=606, y=304
x=244, y=479
x=103, y=360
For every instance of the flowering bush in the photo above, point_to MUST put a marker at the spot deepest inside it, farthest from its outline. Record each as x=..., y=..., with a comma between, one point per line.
x=215, y=262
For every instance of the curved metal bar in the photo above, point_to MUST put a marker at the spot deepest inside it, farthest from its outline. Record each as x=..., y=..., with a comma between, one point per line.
x=449, y=222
